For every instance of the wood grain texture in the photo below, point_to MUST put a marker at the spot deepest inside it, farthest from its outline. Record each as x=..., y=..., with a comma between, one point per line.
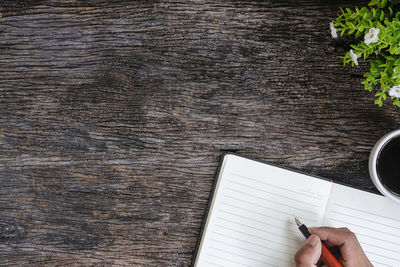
x=113, y=115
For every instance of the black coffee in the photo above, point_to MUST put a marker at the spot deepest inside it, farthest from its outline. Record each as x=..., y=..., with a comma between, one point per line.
x=388, y=165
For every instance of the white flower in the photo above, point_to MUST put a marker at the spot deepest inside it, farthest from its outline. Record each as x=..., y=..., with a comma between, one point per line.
x=395, y=91
x=333, y=30
x=371, y=36
x=354, y=57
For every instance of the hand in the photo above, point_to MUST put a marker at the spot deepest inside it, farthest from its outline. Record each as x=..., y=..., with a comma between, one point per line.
x=352, y=253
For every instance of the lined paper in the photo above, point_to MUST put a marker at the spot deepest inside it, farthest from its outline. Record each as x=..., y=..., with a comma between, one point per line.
x=252, y=212
x=373, y=218
x=250, y=221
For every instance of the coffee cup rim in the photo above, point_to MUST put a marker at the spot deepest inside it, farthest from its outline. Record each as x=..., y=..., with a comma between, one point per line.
x=372, y=165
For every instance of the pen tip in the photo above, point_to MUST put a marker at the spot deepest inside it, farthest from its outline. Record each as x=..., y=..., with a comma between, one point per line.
x=297, y=221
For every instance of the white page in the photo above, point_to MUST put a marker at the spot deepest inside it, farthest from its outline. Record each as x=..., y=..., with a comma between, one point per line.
x=251, y=219
x=373, y=218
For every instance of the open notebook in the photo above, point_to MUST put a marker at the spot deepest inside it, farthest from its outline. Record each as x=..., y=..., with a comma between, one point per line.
x=250, y=217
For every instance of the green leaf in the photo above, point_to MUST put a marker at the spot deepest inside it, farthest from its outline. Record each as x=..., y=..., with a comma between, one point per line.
x=390, y=58
x=378, y=102
x=392, y=49
x=381, y=95
x=396, y=34
x=396, y=23
x=365, y=23
x=385, y=87
x=384, y=70
x=374, y=71
x=373, y=2
x=384, y=45
x=368, y=87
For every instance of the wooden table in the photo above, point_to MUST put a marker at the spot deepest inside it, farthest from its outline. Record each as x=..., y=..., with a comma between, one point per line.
x=113, y=115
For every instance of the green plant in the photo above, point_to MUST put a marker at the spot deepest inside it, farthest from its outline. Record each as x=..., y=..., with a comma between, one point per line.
x=379, y=24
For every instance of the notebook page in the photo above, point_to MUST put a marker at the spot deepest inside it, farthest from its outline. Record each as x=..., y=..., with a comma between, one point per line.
x=373, y=218
x=251, y=221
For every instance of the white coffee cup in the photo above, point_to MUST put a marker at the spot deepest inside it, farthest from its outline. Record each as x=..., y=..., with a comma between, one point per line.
x=373, y=161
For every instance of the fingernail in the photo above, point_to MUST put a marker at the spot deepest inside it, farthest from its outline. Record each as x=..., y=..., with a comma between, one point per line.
x=312, y=240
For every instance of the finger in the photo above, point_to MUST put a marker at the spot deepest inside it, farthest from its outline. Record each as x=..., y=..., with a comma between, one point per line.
x=335, y=236
x=309, y=254
x=341, y=237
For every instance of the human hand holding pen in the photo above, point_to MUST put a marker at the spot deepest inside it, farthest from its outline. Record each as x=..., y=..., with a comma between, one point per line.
x=350, y=249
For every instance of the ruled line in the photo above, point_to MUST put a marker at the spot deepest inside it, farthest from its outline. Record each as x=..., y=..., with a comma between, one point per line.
x=291, y=239
x=375, y=230
x=255, y=212
x=258, y=245
x=272, y=201
x=258, y=221
x=367, y=244
x=250, y=250
x=262, y=238
x=226, y=259
x=266, y=191
x=372, y=237
x=334, y=211
x=374, y=263
x=383, y=256
x=367, y=212
x=262, y=182
x=268, y=208
x=215, y=264
x=242, y=256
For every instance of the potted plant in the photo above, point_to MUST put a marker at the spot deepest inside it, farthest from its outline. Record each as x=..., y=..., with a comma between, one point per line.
x=378, y=27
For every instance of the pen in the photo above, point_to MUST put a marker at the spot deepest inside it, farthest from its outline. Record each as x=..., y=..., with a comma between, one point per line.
x=326, y=255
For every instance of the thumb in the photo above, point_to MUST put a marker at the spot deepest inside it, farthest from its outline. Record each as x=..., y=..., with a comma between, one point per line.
x=309, y=254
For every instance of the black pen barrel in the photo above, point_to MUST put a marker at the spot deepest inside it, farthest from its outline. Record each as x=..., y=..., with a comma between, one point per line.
x=303, y=229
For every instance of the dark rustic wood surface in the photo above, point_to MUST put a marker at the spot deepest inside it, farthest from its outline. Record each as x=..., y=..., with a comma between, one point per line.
x=113, y=115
